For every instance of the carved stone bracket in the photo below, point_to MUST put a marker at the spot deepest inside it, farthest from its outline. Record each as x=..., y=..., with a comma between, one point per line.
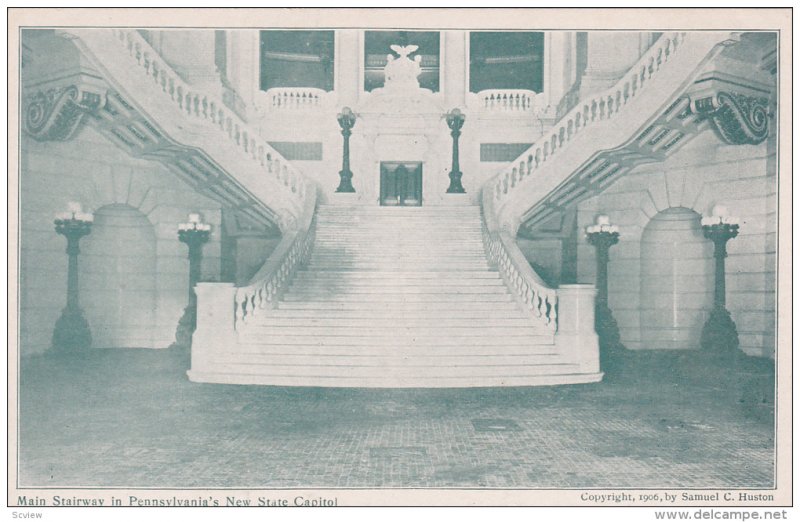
x=56, y=113
x=738, y=119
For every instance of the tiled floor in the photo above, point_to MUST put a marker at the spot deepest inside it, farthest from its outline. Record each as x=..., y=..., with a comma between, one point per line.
x=131, y=418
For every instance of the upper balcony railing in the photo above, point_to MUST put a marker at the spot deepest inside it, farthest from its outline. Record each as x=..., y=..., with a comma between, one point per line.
x=296, y=99
x=507, y=102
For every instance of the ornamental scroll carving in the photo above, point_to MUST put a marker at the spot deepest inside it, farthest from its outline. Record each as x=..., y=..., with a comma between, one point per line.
x=738, y=119
x=56, y=114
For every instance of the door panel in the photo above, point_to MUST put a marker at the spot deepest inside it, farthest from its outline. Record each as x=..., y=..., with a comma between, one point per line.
x=401, y=183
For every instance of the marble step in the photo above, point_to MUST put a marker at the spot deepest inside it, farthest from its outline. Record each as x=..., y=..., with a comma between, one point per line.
x=405, y=275
x=398, y=333
x=393, y=298
x=544, y=349
x=351, y=368
x=408, y=314
x=344, y=379
x=255, y=334
x=312, y=291
x=256, y=362
x=392, y=322
x=398, y=305
x=383, y=284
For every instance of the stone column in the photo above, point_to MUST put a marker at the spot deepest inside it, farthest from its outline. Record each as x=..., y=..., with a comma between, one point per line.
x=454, y=67
x=610, y=54
x=244, y=63
x=348, y=57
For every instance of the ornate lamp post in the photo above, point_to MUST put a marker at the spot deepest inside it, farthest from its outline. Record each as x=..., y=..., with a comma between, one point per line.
x=603, y=235
x=195, y=234
x=71, y=333
x=455, y=120
x=719, y=332
x=347, y=121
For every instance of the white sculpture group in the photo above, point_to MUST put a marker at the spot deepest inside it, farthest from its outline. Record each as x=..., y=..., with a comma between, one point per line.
x=402, y=74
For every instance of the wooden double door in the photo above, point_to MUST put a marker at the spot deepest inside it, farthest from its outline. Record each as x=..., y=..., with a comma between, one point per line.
x=401, y=183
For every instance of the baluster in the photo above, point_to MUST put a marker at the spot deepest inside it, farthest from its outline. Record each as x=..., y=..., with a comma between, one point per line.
x=240, y=308
x=561, y=137
x=513, y=177
x=179, y=92
x=521, y=170
x=569, y=129
x=530, y=165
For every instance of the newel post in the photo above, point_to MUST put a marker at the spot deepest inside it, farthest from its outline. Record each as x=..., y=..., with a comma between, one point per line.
x=215, y=333
x=576, y=334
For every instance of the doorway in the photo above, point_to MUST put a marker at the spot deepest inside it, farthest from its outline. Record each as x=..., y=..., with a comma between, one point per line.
x=401, y=183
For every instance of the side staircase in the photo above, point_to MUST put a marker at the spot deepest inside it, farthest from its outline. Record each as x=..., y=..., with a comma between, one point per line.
x=395, y=297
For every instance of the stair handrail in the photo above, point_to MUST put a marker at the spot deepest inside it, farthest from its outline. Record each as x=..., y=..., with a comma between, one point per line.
x=540, y=300
x=209, y=109
x=599, y=107
x=267, y=286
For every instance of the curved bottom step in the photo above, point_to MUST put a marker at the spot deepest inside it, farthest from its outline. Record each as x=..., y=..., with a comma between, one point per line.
x=388, y=381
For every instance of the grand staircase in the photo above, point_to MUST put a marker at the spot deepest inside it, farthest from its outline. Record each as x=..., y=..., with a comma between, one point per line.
x=395, y=297
x=392, y=297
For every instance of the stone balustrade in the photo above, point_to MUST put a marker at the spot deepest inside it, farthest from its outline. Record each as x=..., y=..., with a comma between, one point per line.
x=507, y=100
x=296, y=99
x=593, y=112
x=273, y=278
x=208, y=110
x=520, y=278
